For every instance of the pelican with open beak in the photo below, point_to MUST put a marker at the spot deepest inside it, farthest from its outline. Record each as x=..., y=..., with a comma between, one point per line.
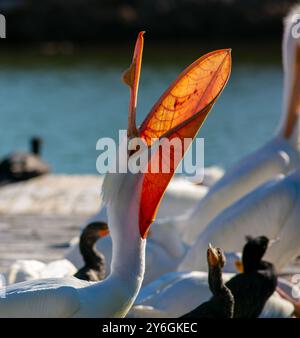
x=131, y=199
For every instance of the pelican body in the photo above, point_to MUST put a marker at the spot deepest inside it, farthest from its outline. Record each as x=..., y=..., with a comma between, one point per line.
x=280, y=155
x=272, y=209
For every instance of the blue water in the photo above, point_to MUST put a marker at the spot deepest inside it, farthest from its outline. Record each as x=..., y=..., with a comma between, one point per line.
x=72, y=100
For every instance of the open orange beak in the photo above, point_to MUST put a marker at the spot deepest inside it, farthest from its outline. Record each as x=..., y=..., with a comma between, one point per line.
x=179, y=113
x=132, y=77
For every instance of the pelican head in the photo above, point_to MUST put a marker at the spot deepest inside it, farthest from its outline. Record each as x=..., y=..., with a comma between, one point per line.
x=291, y=64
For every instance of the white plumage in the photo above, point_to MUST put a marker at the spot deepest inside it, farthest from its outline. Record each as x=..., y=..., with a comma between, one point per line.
x=160, y=257
x=273, y=210
x=165, y=247
x=113, y=297
x=279, y=156
x=24, y=270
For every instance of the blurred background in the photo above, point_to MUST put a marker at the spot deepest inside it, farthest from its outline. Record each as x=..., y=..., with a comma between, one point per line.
x=61, y=63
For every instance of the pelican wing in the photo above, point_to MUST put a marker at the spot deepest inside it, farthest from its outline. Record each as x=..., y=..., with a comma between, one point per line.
x=172, y=295
x=277, y=307
x=41, y=298
x=264, y=211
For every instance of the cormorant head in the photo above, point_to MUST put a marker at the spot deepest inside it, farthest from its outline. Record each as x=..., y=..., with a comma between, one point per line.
x=254, y=250
x=36, y=143
x=215, y=257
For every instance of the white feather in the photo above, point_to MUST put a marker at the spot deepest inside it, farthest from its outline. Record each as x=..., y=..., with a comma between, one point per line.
x=272, y=210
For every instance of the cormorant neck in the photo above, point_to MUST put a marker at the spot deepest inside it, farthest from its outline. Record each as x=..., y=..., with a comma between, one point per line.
x=251, y=265
x=36, y=147
x=91, y=256
x=221, y=293
x=215, y=280
x=263, y=265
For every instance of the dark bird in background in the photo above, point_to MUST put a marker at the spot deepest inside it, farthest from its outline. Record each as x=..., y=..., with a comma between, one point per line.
x=21, y=166
x=94, y=268
x=252, y=288
x=221, y=305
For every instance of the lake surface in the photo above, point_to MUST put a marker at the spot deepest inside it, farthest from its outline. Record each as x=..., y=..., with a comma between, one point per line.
x=72, y=100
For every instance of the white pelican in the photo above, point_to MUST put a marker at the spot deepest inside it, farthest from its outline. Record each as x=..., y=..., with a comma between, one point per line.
x=279, y=156
x=273, y=209
x=131, y=199
x=210, y=176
